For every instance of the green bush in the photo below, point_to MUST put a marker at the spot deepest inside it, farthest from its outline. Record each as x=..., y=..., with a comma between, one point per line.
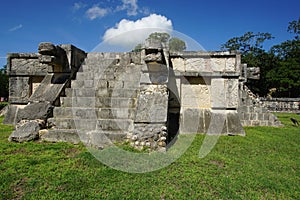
x=3, y=104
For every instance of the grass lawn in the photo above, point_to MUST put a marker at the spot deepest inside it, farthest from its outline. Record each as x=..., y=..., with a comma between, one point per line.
x=263, y=165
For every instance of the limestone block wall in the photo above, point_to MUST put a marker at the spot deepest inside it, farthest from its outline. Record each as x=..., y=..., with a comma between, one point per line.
x=208, y=90
x=145, y=98
x=23, y=68
x=40, y=77
x=281, y=104
x=150, y=124
x=252, y=111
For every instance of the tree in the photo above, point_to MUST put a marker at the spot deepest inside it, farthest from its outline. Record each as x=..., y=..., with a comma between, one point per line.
x=3, y=82
x=251, y=47
x=249, y=42
x=138, y=48
x=294, y=27
x=163, y=37
x=285, y=75
x=176, y=44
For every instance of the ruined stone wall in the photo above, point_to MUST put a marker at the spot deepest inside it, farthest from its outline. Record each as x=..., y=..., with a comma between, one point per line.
x=281, y=104
x=150, y=124
x=145, y=98
x=252, y=111
x=208, y=90
x=22, y=71
x=37, y=78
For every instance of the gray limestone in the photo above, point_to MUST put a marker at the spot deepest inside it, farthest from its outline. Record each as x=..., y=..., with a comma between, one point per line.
x=39, y=110
x=152, y=104
x=25, y=131
x=143, y=98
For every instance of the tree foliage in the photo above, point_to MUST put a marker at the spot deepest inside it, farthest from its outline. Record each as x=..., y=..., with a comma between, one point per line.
x=251, y=47
x=175, y=44
x=294, y=27
x=249, y=42
x=280, y=66
x=163, y=37
x=3, y=82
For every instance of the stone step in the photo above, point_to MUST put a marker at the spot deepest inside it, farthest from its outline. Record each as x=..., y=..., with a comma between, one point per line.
x=90, y=124
x=106, y=75
x=93, y=113
x=87, y=83
x=97, y=75
x=115, y=124
x=103, y=92
x=98, y=102
x=75, y=136
x=111, y=69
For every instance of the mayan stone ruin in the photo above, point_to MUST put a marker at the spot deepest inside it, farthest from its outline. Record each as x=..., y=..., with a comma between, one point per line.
x=145, y=98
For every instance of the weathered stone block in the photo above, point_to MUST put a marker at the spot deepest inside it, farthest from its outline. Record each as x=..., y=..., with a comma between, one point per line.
x=191, y=120
x=199, y=65
x=50, y=88
x=115, y=124
x=218, y=93
x=230, y=64
x=61, y=135
x=19, y=89
x=152, y=105
x=39, y=110
x=26, y=131
x=153, y=57
x=234, y=123
x=218, y=123
x=27, y=66
x=47, y=48
x=218, y=64
x=11, y=115
x=195, y=95
x=178, y=64
x=232, y=96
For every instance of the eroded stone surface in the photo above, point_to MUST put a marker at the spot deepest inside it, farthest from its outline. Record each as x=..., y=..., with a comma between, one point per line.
x=130, y=96
x=26, y=131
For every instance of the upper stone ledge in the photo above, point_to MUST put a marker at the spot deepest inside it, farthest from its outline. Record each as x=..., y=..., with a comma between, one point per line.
x=22, y=55
x=194, y=54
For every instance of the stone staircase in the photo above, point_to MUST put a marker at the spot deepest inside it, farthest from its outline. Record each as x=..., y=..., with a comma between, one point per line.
x=101, y=103
x=251, y=110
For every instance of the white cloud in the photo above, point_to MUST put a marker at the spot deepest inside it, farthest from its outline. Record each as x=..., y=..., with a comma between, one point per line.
x=96, y=12
x=129, y=33
x=16, y=28
x=78, y=6
x=130, y=6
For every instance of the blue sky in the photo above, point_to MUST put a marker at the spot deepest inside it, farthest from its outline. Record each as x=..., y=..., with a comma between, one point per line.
x=26, y=23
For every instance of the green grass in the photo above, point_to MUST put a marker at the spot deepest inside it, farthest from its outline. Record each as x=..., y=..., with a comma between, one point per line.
x=263, y=165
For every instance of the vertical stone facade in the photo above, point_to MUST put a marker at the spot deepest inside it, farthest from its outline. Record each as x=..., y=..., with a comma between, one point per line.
x=208, y=90
x=145, y=98
x=40, y=77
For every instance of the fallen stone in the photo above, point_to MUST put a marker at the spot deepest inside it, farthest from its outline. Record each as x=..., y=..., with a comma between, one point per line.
x=25, y=131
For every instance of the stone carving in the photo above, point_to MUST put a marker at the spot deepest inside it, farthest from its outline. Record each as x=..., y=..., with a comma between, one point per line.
x=253, y=73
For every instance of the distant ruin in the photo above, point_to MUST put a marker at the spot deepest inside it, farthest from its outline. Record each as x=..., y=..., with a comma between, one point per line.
x=146, y=98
